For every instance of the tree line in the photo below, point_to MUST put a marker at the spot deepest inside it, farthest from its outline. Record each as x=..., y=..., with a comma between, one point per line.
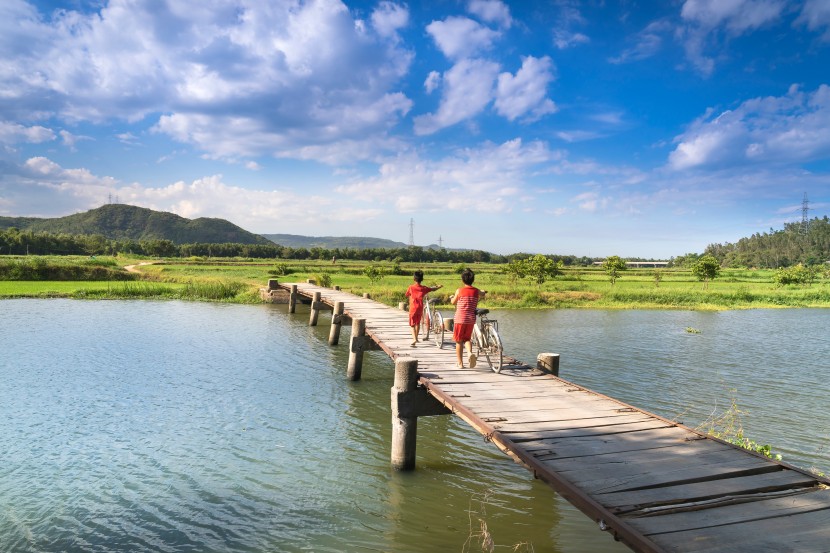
x=797, y=243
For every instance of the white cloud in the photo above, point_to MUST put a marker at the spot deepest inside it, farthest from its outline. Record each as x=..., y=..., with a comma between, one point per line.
x=524, y=95
x=305, y=73
x=563, y=38
x=432, y=81
x=816, y=15
x=485, y=179
x=388, y=18
x=468, y=88
x=706, y=19
x=789, y=129
x=43, y=188
x=735, y=15
x=461, y=37
x=14, y=133
x=647, y=43
x=491, y=11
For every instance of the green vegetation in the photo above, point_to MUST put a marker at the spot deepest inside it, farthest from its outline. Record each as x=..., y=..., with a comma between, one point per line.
x=796, y=243
x=706, y=269
x=572, y=287
x=127, y=222
x=613, y=266
x=727, y=426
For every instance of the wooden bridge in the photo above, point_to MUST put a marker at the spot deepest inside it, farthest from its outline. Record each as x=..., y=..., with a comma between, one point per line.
x=652, y=483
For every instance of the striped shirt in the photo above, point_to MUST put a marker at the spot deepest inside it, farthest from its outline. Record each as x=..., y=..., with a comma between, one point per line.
x=465, y=307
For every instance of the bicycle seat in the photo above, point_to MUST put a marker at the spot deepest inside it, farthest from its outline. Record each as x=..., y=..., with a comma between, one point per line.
x=482, y=311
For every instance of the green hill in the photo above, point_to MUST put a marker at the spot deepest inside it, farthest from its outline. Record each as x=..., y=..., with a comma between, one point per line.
x=332, y=242
x=127, y=222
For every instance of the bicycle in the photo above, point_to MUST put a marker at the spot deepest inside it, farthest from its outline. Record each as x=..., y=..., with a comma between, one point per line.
x=487, y=341
x=432, y=321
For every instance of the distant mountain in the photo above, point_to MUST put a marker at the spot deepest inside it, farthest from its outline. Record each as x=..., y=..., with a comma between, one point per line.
x=331, y=242
x=127, y=222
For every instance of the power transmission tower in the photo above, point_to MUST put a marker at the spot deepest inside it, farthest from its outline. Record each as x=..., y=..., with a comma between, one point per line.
x=412, y=232
x=440, y=241
x=805, y=208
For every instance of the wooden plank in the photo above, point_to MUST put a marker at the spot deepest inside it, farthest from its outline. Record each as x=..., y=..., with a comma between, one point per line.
x=609, y=431
x=643, y=474
x=806, y=532
x=728, y=516
x=582, y=447
x=626, y=502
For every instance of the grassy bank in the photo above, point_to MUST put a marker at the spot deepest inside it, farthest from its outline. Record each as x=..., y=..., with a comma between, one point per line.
x=239, y=280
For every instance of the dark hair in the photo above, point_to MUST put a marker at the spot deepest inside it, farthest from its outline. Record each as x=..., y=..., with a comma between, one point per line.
x=418, y=276
x=468, y=277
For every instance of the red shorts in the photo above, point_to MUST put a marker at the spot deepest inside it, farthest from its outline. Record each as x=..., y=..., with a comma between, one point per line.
x=462, y=332
x=415, y=317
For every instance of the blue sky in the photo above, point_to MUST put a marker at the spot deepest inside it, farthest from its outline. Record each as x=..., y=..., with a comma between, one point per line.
x=647, y=129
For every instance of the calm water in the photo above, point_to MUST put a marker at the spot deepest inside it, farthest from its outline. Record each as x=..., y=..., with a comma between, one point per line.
x=143, y=426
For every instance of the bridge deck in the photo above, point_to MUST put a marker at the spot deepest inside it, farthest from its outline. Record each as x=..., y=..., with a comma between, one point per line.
x=654, y=484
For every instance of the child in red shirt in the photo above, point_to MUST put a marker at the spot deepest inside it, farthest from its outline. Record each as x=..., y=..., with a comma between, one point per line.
x=416, y=293
x=465, y=300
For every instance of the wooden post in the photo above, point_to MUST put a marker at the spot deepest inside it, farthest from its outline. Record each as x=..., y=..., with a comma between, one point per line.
x=404, y=429
x=336, y=323
x=292, y=299
x=367, y=296
x=448, y=324
x=548, y=362
x=337, y=288
x=315, y=309
x=356, y=349
x=273, y=284
x=310, y=281
x=402, y=305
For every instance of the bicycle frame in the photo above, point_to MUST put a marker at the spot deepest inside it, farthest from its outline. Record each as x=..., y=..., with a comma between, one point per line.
x=487, y=340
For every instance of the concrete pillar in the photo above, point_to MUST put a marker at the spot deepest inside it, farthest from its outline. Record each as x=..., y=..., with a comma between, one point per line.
x=367, y=296
x=548, y=362
x=356, y=350
x=448, y=323
x=404, y=429
x=292, y=299
x=337, y=288
x=315, y=309
x=336, y=323
x=273, y=284
x=402, y=305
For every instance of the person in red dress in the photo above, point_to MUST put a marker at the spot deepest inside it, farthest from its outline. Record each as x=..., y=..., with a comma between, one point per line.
x=465, y=301
x=416, y=293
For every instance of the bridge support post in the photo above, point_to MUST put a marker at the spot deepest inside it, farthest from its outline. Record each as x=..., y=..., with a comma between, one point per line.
x=548, y=362
x=402, y=305
x=273, y=284
x=367, y=295
x=336, y=323
x=292, y=299
x=315, y=309
x=357, y=346
x=404, y=426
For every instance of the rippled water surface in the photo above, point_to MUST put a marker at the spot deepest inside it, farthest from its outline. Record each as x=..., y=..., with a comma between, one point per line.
x=144, y=426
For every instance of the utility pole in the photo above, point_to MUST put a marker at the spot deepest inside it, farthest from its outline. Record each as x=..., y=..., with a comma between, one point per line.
x=411, y=232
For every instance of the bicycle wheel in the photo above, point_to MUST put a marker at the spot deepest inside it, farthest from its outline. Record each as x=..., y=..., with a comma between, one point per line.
x=438, y=328
x=495, y=348
x=425, y=318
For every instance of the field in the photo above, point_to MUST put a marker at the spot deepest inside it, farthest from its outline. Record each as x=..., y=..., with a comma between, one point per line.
x=239, y=280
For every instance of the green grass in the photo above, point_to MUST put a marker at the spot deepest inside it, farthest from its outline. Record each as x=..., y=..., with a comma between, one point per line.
x=238, y=280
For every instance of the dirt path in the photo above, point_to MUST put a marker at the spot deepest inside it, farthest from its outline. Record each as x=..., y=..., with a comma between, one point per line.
x=134, y=268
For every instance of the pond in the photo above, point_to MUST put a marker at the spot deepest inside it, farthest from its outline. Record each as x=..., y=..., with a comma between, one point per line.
x=171, y=426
